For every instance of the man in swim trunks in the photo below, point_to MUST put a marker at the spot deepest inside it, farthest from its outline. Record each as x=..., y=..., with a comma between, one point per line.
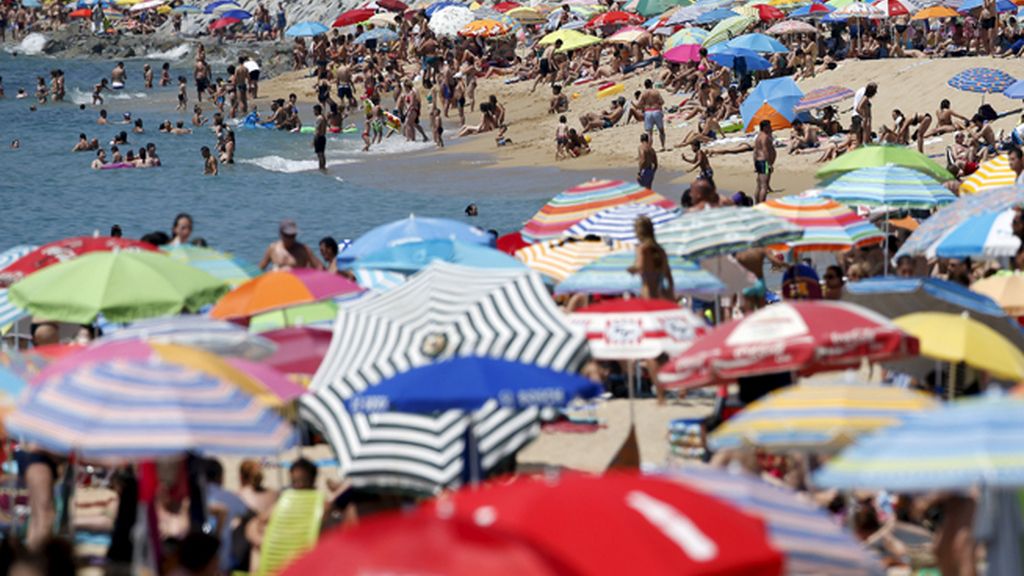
x=654, y=115
x=547, y=69
x=117, y=76
x=209, y=162
x=343, y=79
x=648, y=162
x=287, y=252
x=764, y=159
x=320, y=136
x=100, y=160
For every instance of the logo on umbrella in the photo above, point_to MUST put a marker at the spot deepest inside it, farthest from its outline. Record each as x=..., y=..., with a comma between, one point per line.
x=623, y=332
x=434, y=345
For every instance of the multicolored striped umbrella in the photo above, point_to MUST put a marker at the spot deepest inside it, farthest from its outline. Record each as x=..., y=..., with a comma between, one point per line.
x=728, y=29
x=890, y=186
x=9, y=313
x=985, y=236
x=685, y=36
x=62, y=251
x=983, y=80
x=636, y=329
x=812, y=542
x=715, y=231
x=884, y=155
x=281, y=289
x=792, y=27
x=619, y=222
x=214, y=336
x=994, y=173
x=957, y=446
x=559, y=259
x=921, y=242
x=609, y=275
x=823, y=97
x=484, y=28
x=577, y=203
x=827, y=224
x=819, y=417
x=217, y=264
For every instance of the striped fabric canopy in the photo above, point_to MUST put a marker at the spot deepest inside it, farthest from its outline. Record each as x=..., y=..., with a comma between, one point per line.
x=378, y=280
x=811, y=541
x=609, y=275
x=637, y=329
x=221, y=266
x=559, y=259
x=12, y=255
x=215, y=336
x=442, y=312
x=618, y=223
x=715, y=231
x=827, y=224
x=9, y=313
x=823, y=97
x=575, y=204
x=146, y=409
x=988, y=235
x=891, y=186
x=994, y=173
x=933, y=228
x=821, y=417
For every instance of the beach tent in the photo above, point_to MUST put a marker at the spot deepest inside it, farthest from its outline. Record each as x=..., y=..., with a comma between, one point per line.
x=773, y=100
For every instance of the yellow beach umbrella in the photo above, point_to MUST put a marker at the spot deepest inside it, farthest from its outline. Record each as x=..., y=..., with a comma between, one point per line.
x=959, y=338
x=1006, y=289
x=994, y=173
x=527, y=15
x=571, y=39
x=163, y=9
x=559, y=259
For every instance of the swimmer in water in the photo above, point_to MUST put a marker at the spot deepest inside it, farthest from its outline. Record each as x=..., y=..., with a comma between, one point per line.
x=137, y=129
x=41, y=90
x=83, y=143
x=102, y=120
x=115, y=155
x=180, y=129
x=118, y=76
x=21, y=94
x=100, y=160
x=147, y=75
x=15, y=144
x=97, y=92
x=197, y=116
x=209, y=162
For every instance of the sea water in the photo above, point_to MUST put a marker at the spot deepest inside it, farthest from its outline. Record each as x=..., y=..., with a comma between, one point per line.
x=47, y=192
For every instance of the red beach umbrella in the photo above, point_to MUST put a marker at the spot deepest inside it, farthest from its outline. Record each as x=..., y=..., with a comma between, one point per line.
x=64, y=250
x=768, y=12
x=300, y=349
x=353, y=17
x=892, y=8
x=506, y=6
x=510, y=243
x=804, y=337
x=393, y=5
x=223, y=23
x=637, y=328
x=80, y=13
x=614, y=18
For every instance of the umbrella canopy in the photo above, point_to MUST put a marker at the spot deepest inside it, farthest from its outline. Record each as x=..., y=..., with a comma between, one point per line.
x=859, y=10
x=123, y=286
x=485, y=28
x=352, y=17
x=1015, y=90
x=526, y=15
x=765, y=12
x=715, y=231
x=812, y=542
x=467, y=383
x=377, y=34
x=580, y=202
x=960, y=338
x=412, y=229
x=793, y=27
x=614, y=18
x=571, y=39
x=383, y=20
x=827, y=224
x=220, y=265
x=62, y=251
x=959, y=445
x=740, y=58
x=935, y=12
x=147, y=5
x=637, y=329
x=813, y=10
x=716, y=15
x=220, y=4
x=414, y=256
x=80, y=13
x=506, y=6
x=890, y=186
x=757, y=42
x=891, y=8
x=306, y=30
x=876, y=156
x=436, y=7
x=299, y=350
x=993, y=173
x=559, y=259
x=445, y=311
x=1001, y=6
x=985, y=236
x=448, y=21
x=797, y=336
x=823, y=97
x=223, y=23
x=378, y=280
x=214, y=336
x=683, y=53
x=610, y=275
x=393, y=5
x=281, y=289
x=236, y=14
x=1007, y=290
x=628, y=35
x=818, y=417
x=773, y=100
x=321, y=314
x=984, y=80
x=9, y=313
x=619, y=222
x=923, y=240
x=146, y=409
x=728, y=28
x=662, y=527
x=685, y=36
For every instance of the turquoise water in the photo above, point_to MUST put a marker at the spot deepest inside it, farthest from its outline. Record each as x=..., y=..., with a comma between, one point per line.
x=49, y=193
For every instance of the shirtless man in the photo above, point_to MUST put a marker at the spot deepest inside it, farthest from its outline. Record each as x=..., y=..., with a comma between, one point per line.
x=242, y=85
x=547, y=68
x=117, y=76
x=100, y=160
x=83, y=144
x=863, y=110
x=764, y=159
x=320, y=137
x=804, y=138
x=287, y=252
x=343, y=79
x=599, y=121
x=653, y=105
x=647, y=160
x=209, y=162
x=947, y=120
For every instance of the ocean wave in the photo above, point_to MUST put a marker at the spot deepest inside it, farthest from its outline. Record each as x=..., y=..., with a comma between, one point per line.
x=176, y=53
x=288, y=166
x=397, y=144
x=79, y=96
x=30, y=45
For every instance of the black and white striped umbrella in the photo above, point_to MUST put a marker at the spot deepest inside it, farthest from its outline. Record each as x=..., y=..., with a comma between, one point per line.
x=442, y=312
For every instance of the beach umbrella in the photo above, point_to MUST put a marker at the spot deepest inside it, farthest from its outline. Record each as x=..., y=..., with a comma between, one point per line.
x=959, y=338
x=985, y=236
x=889, y=186
x=822, y=97
x=619, y=222
x=393, y=5
x=216, y=336
x=353, y=17
x=891, y=8
x=821, y=418
x=687, y=14
x=220, y=265
x=510, y=242
x=758, y=42
x=873, y=156
x=773, y=100
x=1001, y=6
x=717, y=231
x=579, y=202
x=609, y=275
x=378, y=280
x=316, y=314
x=506, y=6
x=441, y=5
x=922, y=240
x=1015, y=90
x=485, y=28
x=637, y=329
x=123, y=286
x=613, y=18
x=1006, y=289
x=448, y=21
x=813, y=10
x=526, y=15
x=223, y=23
x=935, y=12
x=281, y=289
x=445, y=311
x=383, y=20
x=663, y=527
x=716, y=15
x=299, y=349
x=728, y=29
x=810, y=539
x=983, y=80
x=9, y=313
x=380, y=35
x=792, y=27
x=80, y=13
x=738, y=57
x=961, y=444
x=186, y=9
x=306, y=30
x=686, y=36
x=658, y=8
x=412, y=229
x=236, y=14
x=828, y=225
x=62, y=251
x=412, y=257
x=683, y=53
x=628, y=35
x=765, y=12
x=209, y=9
x=794, y=336
x=148, y=4
x=993, y=173
x=859, y=9
x=571, y=39
x=558, y=259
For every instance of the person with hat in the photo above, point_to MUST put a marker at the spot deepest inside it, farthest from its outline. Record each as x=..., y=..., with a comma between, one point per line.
x=287, y=252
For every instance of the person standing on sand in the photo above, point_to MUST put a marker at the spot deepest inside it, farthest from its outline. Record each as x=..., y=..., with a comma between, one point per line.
x=648, y=160
x=862, y=109
x=654, y=115
x=320, y=137
x=287, y=252
x=764, y=160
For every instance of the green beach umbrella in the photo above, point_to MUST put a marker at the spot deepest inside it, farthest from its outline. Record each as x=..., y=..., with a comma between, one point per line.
x=321, y=313
x=872, y=156
x=728, y=29
x=650, y=8
x=220, y=265
x=123, y=286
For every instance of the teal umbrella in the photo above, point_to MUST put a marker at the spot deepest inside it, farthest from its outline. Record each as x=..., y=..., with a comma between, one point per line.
x=890, y=186
x=609, y=275
x=414, y=256
x=306, y=30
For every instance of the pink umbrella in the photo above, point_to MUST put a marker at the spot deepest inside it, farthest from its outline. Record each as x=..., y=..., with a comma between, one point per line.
x=223, y=23
x=684, y=53
x=300, y=349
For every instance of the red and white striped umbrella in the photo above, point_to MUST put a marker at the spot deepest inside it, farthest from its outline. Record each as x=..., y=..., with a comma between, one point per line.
x=803, y=337
x=637, y=329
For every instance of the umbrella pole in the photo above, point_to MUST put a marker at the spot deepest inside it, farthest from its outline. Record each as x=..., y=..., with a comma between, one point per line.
x=630, y=382
x=952, y=380
x=885, y=247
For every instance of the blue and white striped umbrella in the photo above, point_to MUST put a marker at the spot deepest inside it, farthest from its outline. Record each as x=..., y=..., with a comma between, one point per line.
x=988, y=235
x=215, y=336
x=12, y=255
x=378, y=280
x=891, y=186
x=717, y=231
x=618, y=222
x=811, y=541
x=9, y=313
x=152, y=409
x=609, y=275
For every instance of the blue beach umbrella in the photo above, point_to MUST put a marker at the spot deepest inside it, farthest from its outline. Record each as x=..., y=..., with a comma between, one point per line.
x=440, y=5
x=209, y=9
x=412, y=257
x=240, y=14
x=890, y=186
x=619, y=222
x=1001, y=6
x=187, y=9
x=609, y=275
x=412, y=229
x=923, y=239
x=306, y=30
x=986, y=236
x=378, y=280
x=1015, y=90
x=716, y=15
x=758, y=42
x=378, y=34
x=774, y=100
x=806, y=12
x=983, y=80
x=31, y=4
x=731, y=57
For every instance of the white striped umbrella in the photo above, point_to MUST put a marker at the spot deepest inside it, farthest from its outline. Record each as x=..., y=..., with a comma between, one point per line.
x=445, y=311
x=716, y=231
x=215, y=336
x=618, y=223
x=988, y=235
x=994, y=173
x=559, y=259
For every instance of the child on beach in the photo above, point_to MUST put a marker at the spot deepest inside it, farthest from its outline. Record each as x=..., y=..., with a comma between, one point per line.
x=209, y=162
x=165, y=74
x=561, y=137
x=182, y=93
x=699, y=161
x=97, y=89
x=197, y=116
x=436, y=127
